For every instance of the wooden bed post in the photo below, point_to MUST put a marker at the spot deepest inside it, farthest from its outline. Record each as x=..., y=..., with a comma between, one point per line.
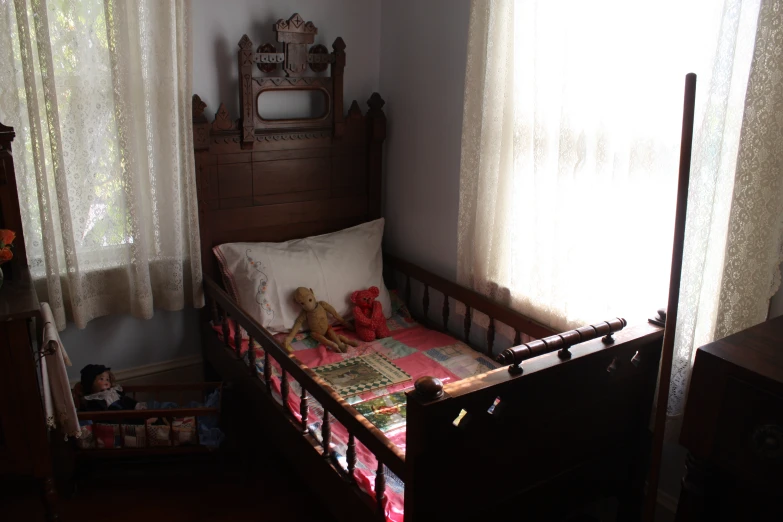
x=245, y=60
x=376, y=133
x=686, y=146
x=338, y=69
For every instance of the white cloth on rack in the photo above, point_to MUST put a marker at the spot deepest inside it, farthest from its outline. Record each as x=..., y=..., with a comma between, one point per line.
x=58, y=400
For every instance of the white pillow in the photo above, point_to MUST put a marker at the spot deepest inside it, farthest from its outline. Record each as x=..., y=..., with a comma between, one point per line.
x=263, y=276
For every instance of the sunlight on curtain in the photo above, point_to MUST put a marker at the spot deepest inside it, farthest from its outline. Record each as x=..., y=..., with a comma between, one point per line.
x=571, y=138
x=98, y=92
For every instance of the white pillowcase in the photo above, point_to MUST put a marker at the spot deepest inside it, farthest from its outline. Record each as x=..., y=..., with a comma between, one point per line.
x=263, y=276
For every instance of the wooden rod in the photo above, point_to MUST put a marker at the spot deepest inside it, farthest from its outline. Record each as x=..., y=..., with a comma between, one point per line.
x=686, y=146
x=561, y=342
x=303, y=409
x=267, y=371
x=351, y=457
x=251, y=355
x=490, y=336
x=284, y=388
x=380, y=489
x=326, y=434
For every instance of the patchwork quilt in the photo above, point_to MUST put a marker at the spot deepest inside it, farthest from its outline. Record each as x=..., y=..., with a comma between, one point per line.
x=412, y=348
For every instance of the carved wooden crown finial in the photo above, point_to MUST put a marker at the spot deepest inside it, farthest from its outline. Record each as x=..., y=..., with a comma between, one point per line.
x=295, y=29
x=339, y=44
x=222, y=120
x=355, y=111
x=245, y=43
x=198, y=108
x=375, y=103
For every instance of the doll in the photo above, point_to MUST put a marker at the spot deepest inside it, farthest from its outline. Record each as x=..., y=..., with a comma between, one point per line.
x=101, y=392
x=314, y=312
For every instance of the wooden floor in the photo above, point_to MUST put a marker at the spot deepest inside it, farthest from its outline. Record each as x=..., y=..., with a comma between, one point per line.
x=192, y=491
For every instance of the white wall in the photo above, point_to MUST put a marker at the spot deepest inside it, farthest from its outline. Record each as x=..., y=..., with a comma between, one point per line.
x=122, y=341
x=423, y=52
x=219, y=24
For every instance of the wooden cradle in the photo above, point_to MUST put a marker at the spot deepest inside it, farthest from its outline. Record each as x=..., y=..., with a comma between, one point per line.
x=573, y=425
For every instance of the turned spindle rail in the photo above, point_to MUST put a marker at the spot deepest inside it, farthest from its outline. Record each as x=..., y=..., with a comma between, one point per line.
x=560, y=342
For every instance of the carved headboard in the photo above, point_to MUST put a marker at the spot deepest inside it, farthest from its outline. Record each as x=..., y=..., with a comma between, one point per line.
x=277, y=179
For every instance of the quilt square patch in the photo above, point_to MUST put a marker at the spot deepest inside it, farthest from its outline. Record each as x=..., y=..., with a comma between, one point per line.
x=361, y=374
x=461, y=360
x=393, y=349
x=387, y=412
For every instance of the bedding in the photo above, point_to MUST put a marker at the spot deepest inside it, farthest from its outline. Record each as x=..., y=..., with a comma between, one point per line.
x=262, y=277
x=416, y=350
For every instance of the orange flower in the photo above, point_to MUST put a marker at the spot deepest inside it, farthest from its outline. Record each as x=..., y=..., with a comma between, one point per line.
x=7, y=237
x=6, y=255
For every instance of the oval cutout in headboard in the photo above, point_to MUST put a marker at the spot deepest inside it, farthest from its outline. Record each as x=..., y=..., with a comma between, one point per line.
x=299, y=104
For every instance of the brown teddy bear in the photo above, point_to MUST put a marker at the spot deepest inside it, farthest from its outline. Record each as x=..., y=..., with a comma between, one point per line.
x=368, y=315
x=314, y=312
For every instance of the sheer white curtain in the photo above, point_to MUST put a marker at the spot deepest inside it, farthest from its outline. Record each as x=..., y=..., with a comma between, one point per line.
x=570, y=149
x=99, y=94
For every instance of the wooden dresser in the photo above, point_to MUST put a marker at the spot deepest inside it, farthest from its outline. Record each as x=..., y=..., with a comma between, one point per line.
x=733, y=429
x=24, y=445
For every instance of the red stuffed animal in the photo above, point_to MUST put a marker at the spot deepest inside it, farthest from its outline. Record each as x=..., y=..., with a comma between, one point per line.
x=368, y=315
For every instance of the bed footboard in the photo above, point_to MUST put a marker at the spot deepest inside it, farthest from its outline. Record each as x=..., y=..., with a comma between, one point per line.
x=505, y=444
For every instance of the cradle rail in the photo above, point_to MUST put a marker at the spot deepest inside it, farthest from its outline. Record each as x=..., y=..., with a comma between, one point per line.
x=472, y=300
x=224, y=309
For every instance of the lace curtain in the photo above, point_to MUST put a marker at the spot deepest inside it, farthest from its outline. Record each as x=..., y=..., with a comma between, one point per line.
x=570, y=152
x=734, y=234
x=98, y=92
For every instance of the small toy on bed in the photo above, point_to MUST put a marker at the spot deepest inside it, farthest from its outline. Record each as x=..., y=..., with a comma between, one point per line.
x=368, y=315
x=98, y=391
x=315, y=313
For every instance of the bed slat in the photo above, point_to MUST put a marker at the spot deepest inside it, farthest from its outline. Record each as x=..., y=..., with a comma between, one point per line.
x=213, y=307
x=226, y=331
x=380, y=489
x=351, y=457
x=284, y=388
x=303, y=410
x=237, y=339
x=251, y=355
x=425, y=303
x=490, y=336
x=267, y=372
x=326, y=433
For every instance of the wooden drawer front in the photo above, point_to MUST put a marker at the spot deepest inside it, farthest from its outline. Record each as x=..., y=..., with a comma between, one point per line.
x=749, y=438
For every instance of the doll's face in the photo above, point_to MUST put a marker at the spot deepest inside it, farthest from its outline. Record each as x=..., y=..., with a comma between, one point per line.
x=102, y=382
x=305, y=298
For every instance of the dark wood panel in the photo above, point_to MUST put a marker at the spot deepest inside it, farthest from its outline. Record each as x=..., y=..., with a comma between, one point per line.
x=288, y=213
x=275, y=234
x=235, y=181
x=275, y=155
x=235, y=203
x=290, y=176
x=241, y=157
x=291, y=197
x=349, y=170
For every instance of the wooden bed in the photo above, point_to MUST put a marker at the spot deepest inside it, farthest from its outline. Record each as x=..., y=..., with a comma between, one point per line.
x=575, y=406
